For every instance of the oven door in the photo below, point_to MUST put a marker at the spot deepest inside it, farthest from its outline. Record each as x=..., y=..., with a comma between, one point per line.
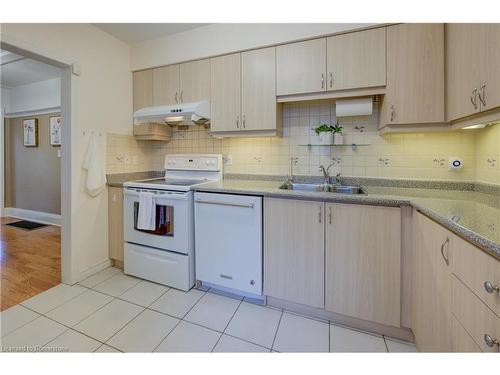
x=174, y=220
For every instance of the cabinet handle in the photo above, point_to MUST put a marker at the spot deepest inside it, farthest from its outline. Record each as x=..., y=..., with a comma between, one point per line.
x=482, y=94
x=490, y=288
x=490, y=341
x=322, y=81
x=320, y=215
x=393, y=113
x=176, y=100
x=329, y=215
x=238, y=122
x=244, y=121
x=182, y=100
x=446, y=259
x=473, y=98
x=331, y=79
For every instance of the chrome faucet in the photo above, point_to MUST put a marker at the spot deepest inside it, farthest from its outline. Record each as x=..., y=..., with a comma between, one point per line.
x=293, y=161
x=326, y=172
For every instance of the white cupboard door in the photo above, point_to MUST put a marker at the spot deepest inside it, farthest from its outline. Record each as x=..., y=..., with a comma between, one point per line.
x=225, y=98
x=166, y=85
x=195, y=81
x=356, y=60
x=301, y=67
x=143, y=89
x=258, y=89
x=490, y=52
x=294, y=253
x=363, y=262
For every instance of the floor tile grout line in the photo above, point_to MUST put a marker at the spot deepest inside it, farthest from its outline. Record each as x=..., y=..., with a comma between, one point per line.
x=246, y=340
x=113, y=275
x=385, y=344
x=126, y=324
x=227, y=325
x=277, y=329
x=169, y=332
x=72, y=298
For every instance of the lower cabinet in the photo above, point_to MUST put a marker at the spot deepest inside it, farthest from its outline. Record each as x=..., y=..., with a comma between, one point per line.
x=294, y=254
x=431, y=316
x=363, y=262
x=115, y=223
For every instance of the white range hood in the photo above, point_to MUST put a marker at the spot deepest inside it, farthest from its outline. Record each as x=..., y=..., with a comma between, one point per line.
x=196, y=113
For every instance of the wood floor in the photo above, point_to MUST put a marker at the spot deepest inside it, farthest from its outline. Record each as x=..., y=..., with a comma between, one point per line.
x=30, y=262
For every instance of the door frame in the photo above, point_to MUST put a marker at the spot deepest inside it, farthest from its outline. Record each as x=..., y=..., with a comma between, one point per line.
x=70, y=71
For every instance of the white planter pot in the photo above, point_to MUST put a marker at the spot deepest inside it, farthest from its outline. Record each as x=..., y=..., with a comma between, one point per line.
x=325, y=138
x=338, y=139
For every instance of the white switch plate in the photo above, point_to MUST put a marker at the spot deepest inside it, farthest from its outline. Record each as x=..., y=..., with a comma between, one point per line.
x=58, y=152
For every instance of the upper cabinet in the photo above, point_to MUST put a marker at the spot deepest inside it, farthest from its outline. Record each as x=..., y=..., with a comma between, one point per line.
x=356, y=60
x=194, y=81
x=243, y=94
x=415, y=75
x=473, y=74
x=166, y=85
x=143, y=89
x=301, y=67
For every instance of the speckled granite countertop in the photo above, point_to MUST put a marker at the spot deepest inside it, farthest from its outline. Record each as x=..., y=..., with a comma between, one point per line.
x=472, y=215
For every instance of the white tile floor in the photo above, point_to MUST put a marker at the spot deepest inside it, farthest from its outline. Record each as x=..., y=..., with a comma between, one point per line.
x=113, y=312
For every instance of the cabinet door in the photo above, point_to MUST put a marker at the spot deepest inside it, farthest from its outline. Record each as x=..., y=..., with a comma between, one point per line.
x=166, y=85
x=294, y=251
x=489, y=56
x=356, y=60
x=363, y=262
x=225, y=96
x=115, y=223
x=258, y=89
x=301, y=67
x=415, y=74
x=195, y=81
x=431, y=318
x=142, y=89
x=462, y=73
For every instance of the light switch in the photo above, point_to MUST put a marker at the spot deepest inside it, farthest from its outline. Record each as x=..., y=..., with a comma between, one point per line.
x=58, y=152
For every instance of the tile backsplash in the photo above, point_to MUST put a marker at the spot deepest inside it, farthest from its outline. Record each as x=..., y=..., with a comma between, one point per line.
x=414, y=155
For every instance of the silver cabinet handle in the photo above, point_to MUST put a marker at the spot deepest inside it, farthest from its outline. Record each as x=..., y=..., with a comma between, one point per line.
x=322, y=81
x=238, y=122
x=176, y=99
x=230, y=204
x=482, y=94
x=490, y=341
x=182, y=100
x=473, y=98
x=490, y=288
x=446, y=259
x=331, y=79
x=393, y=114
x=244, y=121
x=320, y=215
x=330, y=215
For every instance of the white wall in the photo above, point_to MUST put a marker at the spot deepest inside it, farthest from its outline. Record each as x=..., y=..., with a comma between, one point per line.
x=4, y=107
x=35, y=96
x=5, y=100
x=101, y=101
x=219, y=39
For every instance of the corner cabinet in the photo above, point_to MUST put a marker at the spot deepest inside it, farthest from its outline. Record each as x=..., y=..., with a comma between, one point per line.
x=294, y=255
x=142, y=82
x=115, y=224
x=363, y=262
x=415, y=77
x=243, y=94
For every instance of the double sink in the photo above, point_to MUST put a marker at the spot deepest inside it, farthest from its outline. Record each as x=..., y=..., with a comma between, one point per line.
x=331, y=188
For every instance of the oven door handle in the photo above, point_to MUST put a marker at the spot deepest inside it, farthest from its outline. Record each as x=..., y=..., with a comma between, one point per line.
x=159, y=195
x=217, y=203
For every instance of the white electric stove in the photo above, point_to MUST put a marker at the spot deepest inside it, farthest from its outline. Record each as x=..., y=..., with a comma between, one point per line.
x=166, y=254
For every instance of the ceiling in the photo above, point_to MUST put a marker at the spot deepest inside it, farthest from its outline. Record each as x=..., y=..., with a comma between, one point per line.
x=15, y=70
x=137, y=32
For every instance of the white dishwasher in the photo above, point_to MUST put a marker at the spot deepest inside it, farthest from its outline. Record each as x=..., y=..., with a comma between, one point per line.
x=228, y=242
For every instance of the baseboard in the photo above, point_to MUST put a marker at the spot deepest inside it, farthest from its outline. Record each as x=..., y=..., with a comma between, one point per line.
x=94, y=269
x=39, y=217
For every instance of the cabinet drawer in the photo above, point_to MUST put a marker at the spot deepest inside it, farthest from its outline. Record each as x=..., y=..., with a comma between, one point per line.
x=461, y=340
x=475, y=268
x=477, y=319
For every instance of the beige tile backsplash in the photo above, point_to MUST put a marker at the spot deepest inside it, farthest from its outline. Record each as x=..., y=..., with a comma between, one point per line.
x=415, y=155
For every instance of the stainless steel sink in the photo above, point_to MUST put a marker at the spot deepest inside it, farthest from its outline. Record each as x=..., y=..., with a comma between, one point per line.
x=332, y=188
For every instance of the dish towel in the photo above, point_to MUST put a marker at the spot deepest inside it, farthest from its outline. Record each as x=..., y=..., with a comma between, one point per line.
x=96, y=179
x=146, y=217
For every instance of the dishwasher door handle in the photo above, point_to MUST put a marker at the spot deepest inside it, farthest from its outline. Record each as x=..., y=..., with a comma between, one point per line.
x=230, y=204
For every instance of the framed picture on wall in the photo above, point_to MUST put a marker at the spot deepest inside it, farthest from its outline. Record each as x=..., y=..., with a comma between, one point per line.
x=30, y=128
x=55, y=130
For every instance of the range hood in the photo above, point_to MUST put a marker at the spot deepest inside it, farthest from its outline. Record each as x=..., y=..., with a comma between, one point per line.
x=196, y=113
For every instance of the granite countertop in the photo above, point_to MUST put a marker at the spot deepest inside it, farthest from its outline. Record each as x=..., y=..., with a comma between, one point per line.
x=472, y=215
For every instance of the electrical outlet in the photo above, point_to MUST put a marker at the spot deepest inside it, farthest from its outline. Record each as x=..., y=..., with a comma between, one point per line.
x=228, y=160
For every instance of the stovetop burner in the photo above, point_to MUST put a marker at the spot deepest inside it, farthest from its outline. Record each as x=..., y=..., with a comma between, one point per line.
x=172, y=181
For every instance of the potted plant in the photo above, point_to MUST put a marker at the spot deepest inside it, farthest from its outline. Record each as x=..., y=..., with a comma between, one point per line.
x=325, y=134
x=338, y=137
